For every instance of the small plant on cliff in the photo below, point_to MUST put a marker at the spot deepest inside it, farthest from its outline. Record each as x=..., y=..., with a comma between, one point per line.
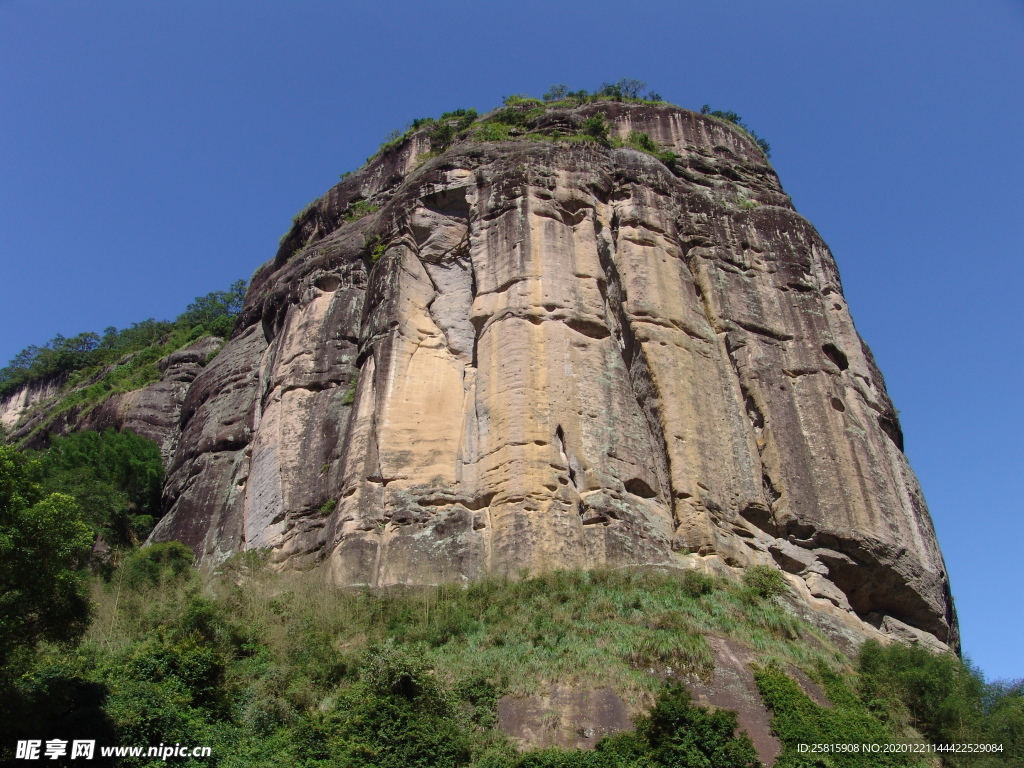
x=358, y=209
x=643, y=142
x=493, y=130
x=378, y=249
x=350, y=394
x=517, y=99
x=448, y=126
x=765, y=582
x=597, y=127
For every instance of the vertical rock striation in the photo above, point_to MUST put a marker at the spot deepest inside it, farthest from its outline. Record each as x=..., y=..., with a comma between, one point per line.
x=549, y=354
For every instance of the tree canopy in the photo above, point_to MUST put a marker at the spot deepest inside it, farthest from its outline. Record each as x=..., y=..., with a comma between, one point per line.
x=43, y=541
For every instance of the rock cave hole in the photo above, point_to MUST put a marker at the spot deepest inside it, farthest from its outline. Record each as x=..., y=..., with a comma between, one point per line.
x=836, y=355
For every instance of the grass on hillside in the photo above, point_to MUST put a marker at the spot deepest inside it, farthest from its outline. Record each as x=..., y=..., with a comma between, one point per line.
x=626, y=629
x=280, y=669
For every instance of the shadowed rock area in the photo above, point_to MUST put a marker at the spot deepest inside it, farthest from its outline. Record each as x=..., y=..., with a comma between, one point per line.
x=547, y=354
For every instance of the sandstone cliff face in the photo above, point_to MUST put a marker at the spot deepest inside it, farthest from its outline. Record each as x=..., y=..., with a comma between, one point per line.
x=565, y=356
x=16, y=404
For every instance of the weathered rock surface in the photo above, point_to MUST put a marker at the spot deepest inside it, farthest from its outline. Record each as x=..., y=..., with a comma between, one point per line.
x=566, y=717
x=15, y=405
x=565, y=356
x=152, y=411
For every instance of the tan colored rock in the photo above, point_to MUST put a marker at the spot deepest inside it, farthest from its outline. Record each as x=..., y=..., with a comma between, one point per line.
x=15, y=406
x=565, y=356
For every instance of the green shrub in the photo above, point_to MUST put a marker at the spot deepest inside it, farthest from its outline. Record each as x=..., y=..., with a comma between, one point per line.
x=797, y=720
x=596, y=126
x=765, y=582
x=492, y=131
x=517, y=99
x=643, y=142
x=944, y=699
x=157, y=564
x=398, y=716
x=679, y=734
x=358, y=209
x=448, y=126
x=478, y=698
x=350, y=394
x=696, y=583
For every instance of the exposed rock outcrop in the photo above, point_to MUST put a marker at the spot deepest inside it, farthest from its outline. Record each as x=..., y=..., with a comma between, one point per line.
x=15, y=405
x=544, y=354
x=38, y=409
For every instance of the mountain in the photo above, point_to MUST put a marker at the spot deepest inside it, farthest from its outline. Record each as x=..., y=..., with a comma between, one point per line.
x=563, y=335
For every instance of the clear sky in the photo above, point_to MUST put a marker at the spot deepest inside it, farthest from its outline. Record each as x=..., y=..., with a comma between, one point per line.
x=155, y=151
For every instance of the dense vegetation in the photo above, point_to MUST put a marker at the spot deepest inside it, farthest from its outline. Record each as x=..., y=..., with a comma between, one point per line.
x=270, y=669
x=280, y=669
x=133, y=351
x=43, y=544
x=116, y=477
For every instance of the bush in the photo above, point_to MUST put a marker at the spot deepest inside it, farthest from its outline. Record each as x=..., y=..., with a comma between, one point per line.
x=492, y=131
x=358, y=209
x=765, y=582
x=441, y=131
x=397, y=717
x=696, y=583
x=678, y=733
x=157, y=564
x=944, y=699
x=597, y=127
x=643, y=142
x=798, y=720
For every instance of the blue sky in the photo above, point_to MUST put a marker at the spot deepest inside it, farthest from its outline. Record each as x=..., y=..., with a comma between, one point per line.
x=151, y=152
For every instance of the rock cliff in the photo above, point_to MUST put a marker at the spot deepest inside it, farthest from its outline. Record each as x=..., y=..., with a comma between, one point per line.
x=41, y=407
x=547, y=353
